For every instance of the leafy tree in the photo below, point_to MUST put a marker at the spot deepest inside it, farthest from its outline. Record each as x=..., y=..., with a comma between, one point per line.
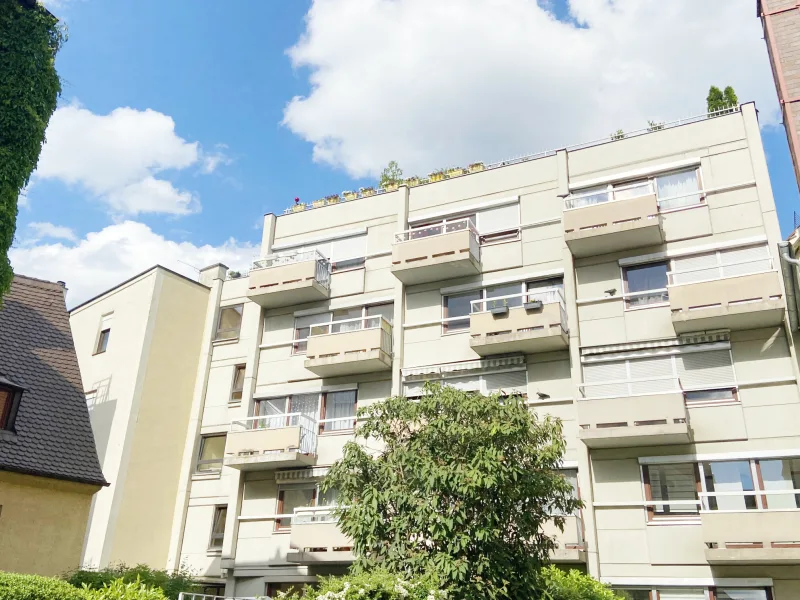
x=170, y=583
x=556, y=584
x=30, y=37
x=460, y=488
x=375, y=585
x=719, y=100
x=392, y=174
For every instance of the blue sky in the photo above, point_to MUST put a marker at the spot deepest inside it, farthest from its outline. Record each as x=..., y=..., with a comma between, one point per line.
x=236, y=108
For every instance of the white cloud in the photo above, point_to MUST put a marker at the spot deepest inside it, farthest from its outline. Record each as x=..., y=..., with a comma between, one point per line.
x=433, y=84
x=212, y=160
x=116, y=158
x=103, y=259
x=48, y=230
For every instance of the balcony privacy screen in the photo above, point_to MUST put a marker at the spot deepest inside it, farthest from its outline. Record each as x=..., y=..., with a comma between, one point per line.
x=720, y=264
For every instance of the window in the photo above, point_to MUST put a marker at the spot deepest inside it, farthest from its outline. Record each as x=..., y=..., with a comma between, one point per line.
x=230, y=322
x=238, y=383
x=499, y=224
x=277, y=411
x=302, y=329
x=339, y=411
x=218, y=527
x=672, y=482
x=505, y=383
x=692, y=594
x=276, y=590
x=457, y=309
x=673, y=190
x=449, y=225
x=780, y=475
x=645, y=284
x=9, y=403
x=740, y=594
x=212, y=451
x=727, y=477
x=338, y=321
x=291, y=497
x=104, y=334
x=344, y=253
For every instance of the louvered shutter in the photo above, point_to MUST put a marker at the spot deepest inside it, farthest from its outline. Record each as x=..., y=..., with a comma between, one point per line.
x=605, y=371
x=349, y=248
x=466, y=384
x=682, y=594
x=510, y=383
x=707, y=265
x=498, y=219
x=754, y=259
x=413, y=389
x=654, y=370
x=705, y=370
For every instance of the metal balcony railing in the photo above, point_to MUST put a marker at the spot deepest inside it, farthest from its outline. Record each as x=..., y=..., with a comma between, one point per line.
x=442, y=228
x=357, y=324
x=323, y=270
x=307, y=424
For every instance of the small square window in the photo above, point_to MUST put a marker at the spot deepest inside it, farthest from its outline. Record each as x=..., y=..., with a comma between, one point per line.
x=102, y=341
x=230, y=322
x=238, y=383
x=218, y=527
x=212, y=451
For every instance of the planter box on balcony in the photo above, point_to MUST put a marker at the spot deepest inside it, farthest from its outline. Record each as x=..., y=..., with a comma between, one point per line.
x=519, y=330
x=751, y=537
x=649, y=420
x=743, y=302
x=613, y=226
x=288, y=284
x=266, y=449
x=436, y=257
x=350, y=352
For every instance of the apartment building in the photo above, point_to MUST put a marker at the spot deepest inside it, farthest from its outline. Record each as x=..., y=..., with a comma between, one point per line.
x=630, y=287
x=780, y=20
x=138, y=346
x=48, y=463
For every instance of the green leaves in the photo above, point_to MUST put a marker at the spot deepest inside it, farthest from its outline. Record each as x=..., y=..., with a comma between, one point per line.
x=456, y=484
x=29, y=90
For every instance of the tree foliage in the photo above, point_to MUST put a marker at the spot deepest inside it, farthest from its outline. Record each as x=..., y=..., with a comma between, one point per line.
x=392, y=174
x=16, y=586
x=556, y=584
x=720, y=100
x=170, y=583
x=30, y=37
x=461, y=488
x=379, y=584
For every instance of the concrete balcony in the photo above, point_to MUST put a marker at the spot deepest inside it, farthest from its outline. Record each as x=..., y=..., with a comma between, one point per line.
x=527, y=323
x=741, y=302
x=350, y=347
x=751, y=537
x=594, y=227
x=444, y=251
x=288, y=280
x=316, y=539
x=266, y=443
x=610, y=417
x=571, y=547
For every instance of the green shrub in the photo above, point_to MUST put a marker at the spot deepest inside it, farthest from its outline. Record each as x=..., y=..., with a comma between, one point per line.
x=573, y=585
x=119, y=590
x=375, y=585
x=15, y=586
x=170, y=583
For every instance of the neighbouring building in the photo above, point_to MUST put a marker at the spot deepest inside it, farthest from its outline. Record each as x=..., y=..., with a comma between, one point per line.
x=781, y=22
x=631, y=287
x=138, y=345
x=49, y=470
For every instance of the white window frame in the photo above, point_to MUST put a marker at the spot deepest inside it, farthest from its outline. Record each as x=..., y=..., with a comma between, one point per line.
x=480, y=376
x=321, y=400
x=327, y=317
x=510, y=234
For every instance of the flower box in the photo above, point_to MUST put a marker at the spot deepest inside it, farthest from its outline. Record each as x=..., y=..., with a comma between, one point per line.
x=476, y=167
x=412, y=181
x=318, y=203
x=298, y=207
x=365, y=192
x=350, y=195
x=437, y=176
x=455, y=172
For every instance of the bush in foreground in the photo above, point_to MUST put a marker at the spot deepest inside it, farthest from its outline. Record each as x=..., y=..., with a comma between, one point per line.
x=119, y=590
x=16, y=586
x=375, y=585
x=556, y=584
x=170, y=583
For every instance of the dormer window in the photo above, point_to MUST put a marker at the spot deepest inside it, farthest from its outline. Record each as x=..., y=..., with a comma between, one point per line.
x=10, y=395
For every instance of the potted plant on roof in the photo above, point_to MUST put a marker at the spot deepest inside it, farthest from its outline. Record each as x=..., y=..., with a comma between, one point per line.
x=367, y=191
x=437, y=175
x=391, y=186
x=318, y=203
x=455, y=172
x=412, y=181
x=475, y=167
x=332, y=199
x=350, y=195
x=298, y=206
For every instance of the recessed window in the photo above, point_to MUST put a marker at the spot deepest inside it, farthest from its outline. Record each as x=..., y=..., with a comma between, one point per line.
x=291, y=497
x=212, y=451
x=645, y=284
x=339, y=411
x=229, y=323
x=729, y=477
x=674, y=486
x=104, y=335
x=218, y=527
x=10, y=396
x=238, y=383
x=302, y=329
x=457, y=309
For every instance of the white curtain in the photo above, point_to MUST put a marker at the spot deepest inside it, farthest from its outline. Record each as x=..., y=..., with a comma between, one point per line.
x=340, y=405
x=305, y=404
x=677, y=184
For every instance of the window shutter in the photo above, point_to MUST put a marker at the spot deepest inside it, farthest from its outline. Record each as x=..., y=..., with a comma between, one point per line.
x=499, y=219
x=754, y=259
x=413, y=389
x=605, y=371
x=684, y=594
x=348, y=248
x=466, y=384
x=650, y=368
x=512, y=382
x=707, y=265
x=705, y=370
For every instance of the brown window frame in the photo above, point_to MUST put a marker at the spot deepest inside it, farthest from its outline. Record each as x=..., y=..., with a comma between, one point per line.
x=279, y=526
x=8, y=413
x=648, y=493
x=323, y=407
x=240, y=390
x=218, y=510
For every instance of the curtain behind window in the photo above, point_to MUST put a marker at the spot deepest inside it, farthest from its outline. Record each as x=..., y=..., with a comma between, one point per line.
x=339, y=405
x=678, y=184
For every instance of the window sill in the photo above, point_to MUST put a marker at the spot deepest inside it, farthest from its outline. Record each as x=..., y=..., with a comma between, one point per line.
x=225, y=342
x=214, y=552
x=284, y=531
x=206, y=476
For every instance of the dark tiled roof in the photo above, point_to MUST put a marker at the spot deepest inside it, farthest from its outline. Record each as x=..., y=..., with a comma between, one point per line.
x=53, y=434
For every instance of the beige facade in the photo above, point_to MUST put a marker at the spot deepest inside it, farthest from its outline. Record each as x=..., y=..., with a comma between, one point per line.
x=630, y=288
x=44, y=521
x=139, y=388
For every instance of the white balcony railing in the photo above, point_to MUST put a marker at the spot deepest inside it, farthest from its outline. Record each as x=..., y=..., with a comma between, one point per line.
x=323, y=269
x=308, y=427
x=623, y=388
x=545, y=296
x=622, y=192
x=736, y=501
x=442, y=228
x=357, y=324
x=314, y=514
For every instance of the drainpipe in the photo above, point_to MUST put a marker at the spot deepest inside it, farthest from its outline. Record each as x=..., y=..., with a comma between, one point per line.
x=788, y=273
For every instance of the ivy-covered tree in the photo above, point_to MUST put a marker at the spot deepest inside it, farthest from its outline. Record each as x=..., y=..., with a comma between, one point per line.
x=392, y=174
x=30, y=38
x=456, y=484
x=720, y=100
